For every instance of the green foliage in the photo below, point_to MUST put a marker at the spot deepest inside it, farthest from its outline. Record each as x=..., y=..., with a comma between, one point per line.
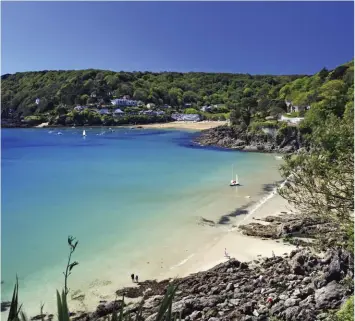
x=346, y=312
x=68, y=88
x=62, y=307
x=293, y=114
x=35, y=120
x=72, y=246
x=14, y=307
x=321, y=180
x=191, y=111
x=257, y=125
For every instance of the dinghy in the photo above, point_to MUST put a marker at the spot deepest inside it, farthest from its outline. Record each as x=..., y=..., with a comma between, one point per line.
x=234, y=182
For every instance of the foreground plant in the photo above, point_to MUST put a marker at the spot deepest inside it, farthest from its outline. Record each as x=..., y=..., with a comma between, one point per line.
x=72, y=247
x=164, y=313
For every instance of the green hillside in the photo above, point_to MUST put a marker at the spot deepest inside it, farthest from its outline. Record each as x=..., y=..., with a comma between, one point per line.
x=60, y=91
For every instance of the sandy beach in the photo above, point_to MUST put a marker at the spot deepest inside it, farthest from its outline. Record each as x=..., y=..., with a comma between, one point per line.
x=226, y=238
x=43, y=125
x=202, y=125
x=239, y=246
x=223, y=238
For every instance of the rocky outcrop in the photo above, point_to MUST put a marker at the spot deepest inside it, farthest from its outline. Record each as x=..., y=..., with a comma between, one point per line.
x=292, y=287
x=287, y=226
x=13, y=123
x=260, y=141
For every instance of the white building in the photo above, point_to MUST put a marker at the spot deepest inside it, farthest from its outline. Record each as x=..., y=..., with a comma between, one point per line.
x=123, y=102
x=150, y=105
x=206, y=108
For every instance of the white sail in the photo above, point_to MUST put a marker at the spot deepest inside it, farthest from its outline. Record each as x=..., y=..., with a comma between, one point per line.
x=236, y=179
x=84, y=133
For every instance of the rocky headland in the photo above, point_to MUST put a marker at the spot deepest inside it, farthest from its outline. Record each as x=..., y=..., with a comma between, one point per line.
x=299, y=286
x=268, y=140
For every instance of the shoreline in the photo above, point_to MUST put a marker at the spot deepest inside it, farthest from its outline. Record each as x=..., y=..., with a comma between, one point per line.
x=198, y=126
x=229, y=237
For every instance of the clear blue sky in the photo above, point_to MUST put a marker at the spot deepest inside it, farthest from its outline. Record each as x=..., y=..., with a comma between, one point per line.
x=245, y=37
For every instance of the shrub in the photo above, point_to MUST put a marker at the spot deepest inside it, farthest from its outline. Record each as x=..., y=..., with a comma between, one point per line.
x=258, y=125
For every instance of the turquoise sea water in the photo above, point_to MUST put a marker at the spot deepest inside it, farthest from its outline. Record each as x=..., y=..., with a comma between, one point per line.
x=121, y=194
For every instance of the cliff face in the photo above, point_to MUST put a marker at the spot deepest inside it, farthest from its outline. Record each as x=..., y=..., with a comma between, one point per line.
x=266, y=140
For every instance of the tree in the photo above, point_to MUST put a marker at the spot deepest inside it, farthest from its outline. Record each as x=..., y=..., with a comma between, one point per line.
x=248, y=92
x=175, y=96
x=235, y=116
x=140, y=94
x=323, y=74
x=191, y=111
x=248, y=106
x=320, y=182
x=189, y=97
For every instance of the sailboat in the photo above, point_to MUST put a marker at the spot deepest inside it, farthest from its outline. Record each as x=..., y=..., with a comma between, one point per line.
x=234, y=182
x=84, y=133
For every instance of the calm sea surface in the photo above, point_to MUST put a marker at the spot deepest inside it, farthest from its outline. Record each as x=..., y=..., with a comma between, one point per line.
x=122, y=194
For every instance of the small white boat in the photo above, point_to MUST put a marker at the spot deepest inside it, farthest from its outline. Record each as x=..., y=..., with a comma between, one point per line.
x=59, y=133
x=84, y=133
x=234, y=182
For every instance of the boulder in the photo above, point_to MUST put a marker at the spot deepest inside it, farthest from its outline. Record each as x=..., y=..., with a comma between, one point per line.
x=329, y=296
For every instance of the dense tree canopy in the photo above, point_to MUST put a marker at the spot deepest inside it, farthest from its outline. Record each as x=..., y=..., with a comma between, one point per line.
x=242, y=97
x=321, y=177
x=20, y=90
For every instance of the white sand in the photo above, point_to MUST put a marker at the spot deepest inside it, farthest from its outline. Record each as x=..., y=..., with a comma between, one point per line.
x=187, y=125
x=239, y=246
x=42, y=125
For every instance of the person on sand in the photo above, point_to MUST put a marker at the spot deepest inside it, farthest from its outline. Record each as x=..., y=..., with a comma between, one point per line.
x=136, y=278
x=132, y=277
x=226, y=254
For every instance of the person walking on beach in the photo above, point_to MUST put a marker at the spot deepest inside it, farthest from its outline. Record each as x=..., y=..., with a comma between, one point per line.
x=226, y=254
x=136, y=278
x=132, y=277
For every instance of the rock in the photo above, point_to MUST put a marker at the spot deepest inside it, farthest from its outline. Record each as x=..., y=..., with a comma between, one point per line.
x=240, y=142
x=234, y=302
x=211, y=313
x=297, y=263
x=290, y=302
x=152, y=301
x=306, y=315
x=251, y=148
x=291, y=313
x=230, y=287
x=334, y=271
x=195, y=315
x=329, y=296
x=247, y=308
x=277, y=308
